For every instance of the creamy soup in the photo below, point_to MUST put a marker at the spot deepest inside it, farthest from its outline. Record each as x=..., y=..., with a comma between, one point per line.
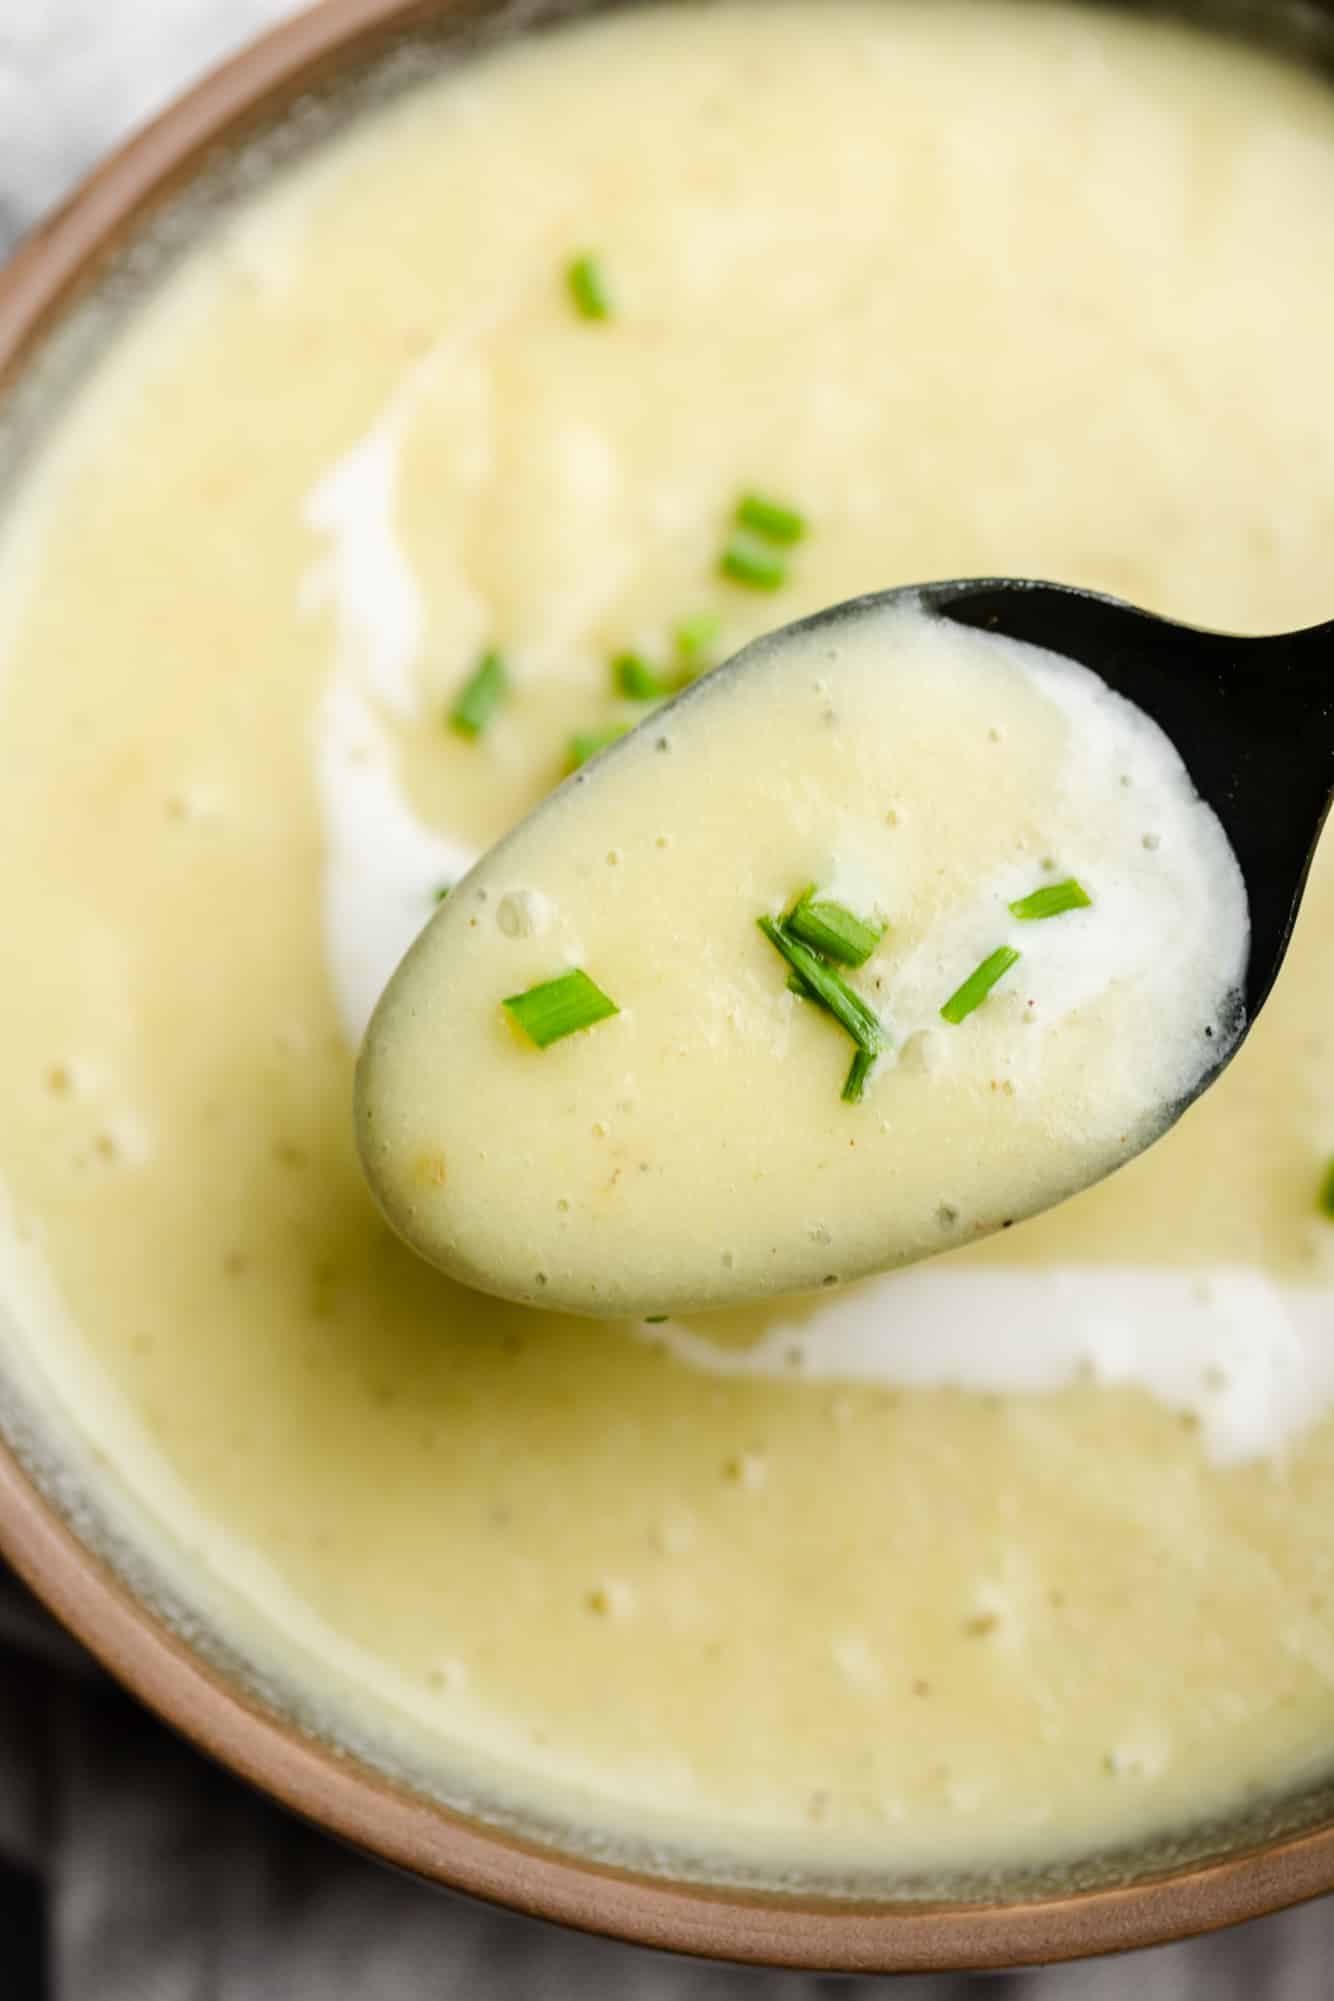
x=1003, y=1037
x=1020, y=1554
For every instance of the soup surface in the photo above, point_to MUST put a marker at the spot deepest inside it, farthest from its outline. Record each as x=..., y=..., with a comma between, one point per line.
x=1021, y=1554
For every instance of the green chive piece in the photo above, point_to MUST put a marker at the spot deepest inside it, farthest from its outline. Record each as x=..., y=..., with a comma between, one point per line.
x=770, y=518
x=636, y=680
x=749, y=562
x=854, y=1089
x=443, y=891
x=829, y=987
x=1327, y=1192
x=588, y=287
x=796, y=985
x=978, y=985
x=833, y=929
x=587, y=743
x=696, y=638
x=480, y=696
x=559, y=1007
x=654, y=1319
x=1052, y=900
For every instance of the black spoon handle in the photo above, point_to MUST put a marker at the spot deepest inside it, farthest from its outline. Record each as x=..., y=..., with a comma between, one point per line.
x=1253, y=720
x=1298, y=670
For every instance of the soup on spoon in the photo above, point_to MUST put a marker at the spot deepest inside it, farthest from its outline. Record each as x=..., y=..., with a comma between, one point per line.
x=884, y=936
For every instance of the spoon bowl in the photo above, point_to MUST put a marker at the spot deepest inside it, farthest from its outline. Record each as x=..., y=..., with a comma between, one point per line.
x=606, y=1077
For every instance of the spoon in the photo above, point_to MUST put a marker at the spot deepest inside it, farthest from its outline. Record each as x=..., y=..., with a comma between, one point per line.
x=668, y=1131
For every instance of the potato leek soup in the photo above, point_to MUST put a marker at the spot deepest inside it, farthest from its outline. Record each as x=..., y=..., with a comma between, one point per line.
x=1012, y=1039
x=554, y=379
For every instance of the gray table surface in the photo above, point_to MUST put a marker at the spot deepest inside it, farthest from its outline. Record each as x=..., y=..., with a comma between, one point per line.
x=166, y=1880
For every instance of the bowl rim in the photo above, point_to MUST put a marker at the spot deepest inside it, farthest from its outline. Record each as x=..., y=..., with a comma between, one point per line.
x=51, y=269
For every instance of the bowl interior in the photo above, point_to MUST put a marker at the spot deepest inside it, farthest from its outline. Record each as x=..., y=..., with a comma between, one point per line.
x=74, y=1534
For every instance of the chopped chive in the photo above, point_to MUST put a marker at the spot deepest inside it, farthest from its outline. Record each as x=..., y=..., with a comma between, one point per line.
x=978, y=985
x=636, y=680
x=1327, y=1192
x=695, y=638
x=770, y=518
x=831, y=928
x=588, y=287
x=854, y=1088
x=1052, y=900
x=480, y=696
x=443, y=891
x=749, y=562
x=587, y=743
x=654, y=1319
x=559, y=1007
x=829, y=987
x=796, y=985
x=862, y=1062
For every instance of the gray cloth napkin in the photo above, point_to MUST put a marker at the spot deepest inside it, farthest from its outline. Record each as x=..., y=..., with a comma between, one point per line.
x=166, y=1880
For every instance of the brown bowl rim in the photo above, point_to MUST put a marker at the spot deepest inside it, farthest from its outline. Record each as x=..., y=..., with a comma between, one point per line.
x=46, y=275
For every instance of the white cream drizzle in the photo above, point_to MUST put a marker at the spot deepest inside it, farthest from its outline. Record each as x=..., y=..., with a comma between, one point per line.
x=1252, y=1359
x=1249, y=1356
x=383, y=866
